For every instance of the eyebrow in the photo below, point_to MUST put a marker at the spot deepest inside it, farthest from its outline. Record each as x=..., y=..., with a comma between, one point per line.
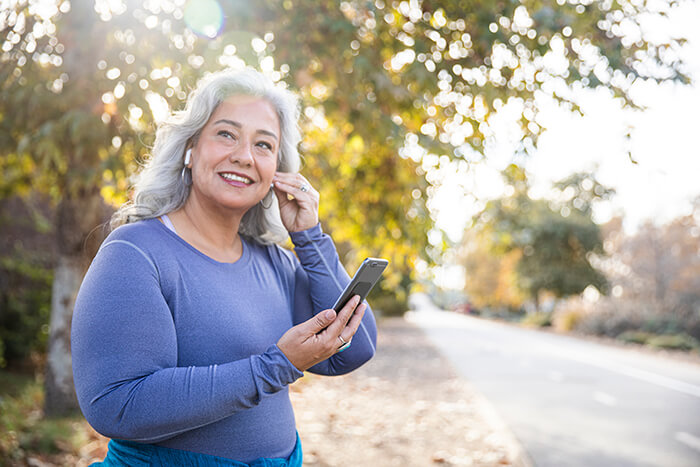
x=238, y=125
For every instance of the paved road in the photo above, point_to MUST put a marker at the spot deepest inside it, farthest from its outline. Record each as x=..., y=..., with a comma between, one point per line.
x=576, y=403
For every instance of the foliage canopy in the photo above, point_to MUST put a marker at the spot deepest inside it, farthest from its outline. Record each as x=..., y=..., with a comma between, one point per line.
x=382, y=84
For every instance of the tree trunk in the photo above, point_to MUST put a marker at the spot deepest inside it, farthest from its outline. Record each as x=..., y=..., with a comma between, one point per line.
x=78, y=237
x=60, y=392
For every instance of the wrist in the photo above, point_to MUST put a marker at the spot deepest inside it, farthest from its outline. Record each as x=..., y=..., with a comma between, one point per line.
x=300, y=225
x=301, y=228
x=302, y=237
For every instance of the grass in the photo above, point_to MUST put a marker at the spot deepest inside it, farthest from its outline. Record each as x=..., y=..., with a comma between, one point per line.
x=25, y=433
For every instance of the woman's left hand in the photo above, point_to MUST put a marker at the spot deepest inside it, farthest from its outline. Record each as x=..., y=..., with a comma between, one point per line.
x=301, y=212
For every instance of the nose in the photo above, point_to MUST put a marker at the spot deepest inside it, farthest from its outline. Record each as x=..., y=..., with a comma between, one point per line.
x=242, y=155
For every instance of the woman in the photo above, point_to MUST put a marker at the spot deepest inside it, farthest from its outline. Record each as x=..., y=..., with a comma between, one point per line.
x=191, y=323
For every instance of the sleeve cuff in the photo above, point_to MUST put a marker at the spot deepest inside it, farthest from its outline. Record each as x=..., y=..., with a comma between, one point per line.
x=304, y=237
x=272, y=371
x=294, y=373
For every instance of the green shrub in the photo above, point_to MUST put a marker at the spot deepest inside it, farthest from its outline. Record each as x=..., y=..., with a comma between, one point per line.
x=25, y=432
x=26, y=306
x=663, y=324
x=538, y=319
x=610, y=324
x=635, y=337
x=674, y=342
x=26, y=261
x=386, y=305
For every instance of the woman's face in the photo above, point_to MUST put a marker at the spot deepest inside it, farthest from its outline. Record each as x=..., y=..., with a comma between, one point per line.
x=235, y=157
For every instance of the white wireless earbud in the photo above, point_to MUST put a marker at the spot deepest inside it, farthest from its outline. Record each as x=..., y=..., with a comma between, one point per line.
x=188, y=156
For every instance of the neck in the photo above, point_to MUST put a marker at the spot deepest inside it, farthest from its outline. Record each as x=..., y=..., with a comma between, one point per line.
x=212, y=231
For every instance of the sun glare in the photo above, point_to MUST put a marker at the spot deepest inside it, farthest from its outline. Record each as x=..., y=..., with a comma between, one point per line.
x=204, y=17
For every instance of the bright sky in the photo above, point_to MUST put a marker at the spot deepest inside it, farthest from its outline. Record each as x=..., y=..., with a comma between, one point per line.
x=664, y=141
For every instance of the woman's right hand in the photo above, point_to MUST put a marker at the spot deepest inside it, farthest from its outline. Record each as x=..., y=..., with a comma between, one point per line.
x=320, y=337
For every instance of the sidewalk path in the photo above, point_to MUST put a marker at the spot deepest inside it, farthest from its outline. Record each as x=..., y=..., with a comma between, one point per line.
x=407, y=407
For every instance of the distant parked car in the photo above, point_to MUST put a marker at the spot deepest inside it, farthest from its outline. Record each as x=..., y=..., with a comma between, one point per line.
x=465, y=308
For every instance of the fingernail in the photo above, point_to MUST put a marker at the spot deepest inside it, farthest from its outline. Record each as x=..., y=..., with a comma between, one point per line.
x=330, y=314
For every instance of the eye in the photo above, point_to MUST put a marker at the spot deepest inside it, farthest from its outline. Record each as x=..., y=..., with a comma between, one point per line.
x=226, y=134
x=265, y=144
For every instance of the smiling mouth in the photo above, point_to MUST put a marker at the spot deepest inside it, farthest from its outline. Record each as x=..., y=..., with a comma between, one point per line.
x=231, y=177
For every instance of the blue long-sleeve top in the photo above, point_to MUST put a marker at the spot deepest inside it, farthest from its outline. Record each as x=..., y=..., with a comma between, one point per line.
x=173, y=348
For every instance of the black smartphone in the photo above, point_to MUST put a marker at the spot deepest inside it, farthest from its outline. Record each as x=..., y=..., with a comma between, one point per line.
x=362, y=282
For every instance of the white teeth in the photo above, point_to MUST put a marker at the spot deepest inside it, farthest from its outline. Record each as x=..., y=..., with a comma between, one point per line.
x=237, y=178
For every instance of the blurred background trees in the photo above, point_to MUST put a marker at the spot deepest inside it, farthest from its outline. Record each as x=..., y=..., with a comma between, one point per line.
x=532, y=246
x=654, y=275
x=638, y=287
x=26, y=255
x=384, y=85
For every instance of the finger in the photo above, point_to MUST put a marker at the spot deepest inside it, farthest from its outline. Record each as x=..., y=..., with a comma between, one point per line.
x=281, y=188
x=281, y=194
x=320, y=322
x=348, y=333
x=344, y=316
x=287, y=192
x=293, y=183
x=294, y=188
x=291, y=178
x=354, y=324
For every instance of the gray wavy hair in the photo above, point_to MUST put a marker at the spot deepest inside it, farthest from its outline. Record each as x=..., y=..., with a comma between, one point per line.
x=159, y=189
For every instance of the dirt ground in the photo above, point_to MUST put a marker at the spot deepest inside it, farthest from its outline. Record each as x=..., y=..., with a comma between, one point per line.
x=406, y=407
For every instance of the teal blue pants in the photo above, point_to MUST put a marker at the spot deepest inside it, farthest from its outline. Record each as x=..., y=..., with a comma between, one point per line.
x=130, y=454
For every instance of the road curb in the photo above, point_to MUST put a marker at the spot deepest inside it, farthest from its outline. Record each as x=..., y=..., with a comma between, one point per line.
x=516, y=451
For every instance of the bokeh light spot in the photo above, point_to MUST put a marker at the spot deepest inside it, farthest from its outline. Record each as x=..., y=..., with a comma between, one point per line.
x=204, y=17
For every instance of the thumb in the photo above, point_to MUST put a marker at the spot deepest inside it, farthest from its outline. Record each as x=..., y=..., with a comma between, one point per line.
x=321, y=321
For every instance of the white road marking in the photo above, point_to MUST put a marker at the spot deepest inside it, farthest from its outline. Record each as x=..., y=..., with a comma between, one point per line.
x=688, y=440
x=643, y=375
x=605, y=399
